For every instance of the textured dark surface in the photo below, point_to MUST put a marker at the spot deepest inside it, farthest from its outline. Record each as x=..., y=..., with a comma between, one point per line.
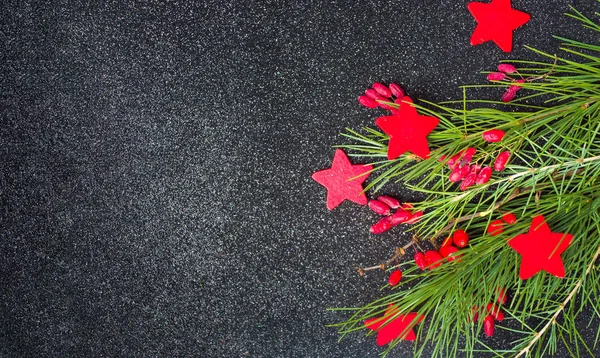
x=156, y=159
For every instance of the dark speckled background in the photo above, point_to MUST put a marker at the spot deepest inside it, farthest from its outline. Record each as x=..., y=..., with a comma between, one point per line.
x=156, y=159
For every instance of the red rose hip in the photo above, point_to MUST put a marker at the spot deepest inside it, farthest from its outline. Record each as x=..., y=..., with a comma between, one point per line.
x=433, y=259
x=484, y=176
x=493, y=135
x=389, y=201
x=396, y=90
x=449, y=252
x=395, y=278
x=367, y=102
x=372, y=94
x=468, y=182
x=488, y=325
x=500, y=162
x=382, y=89
x=496, y=76
x=420, y=260
x=383, y=225
x=506, y=68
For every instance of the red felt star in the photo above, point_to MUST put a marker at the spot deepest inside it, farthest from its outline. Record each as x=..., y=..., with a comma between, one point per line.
x=398, y=327
x=343, y=180
x=496, y=22
x=541, y=249
x=407, y=130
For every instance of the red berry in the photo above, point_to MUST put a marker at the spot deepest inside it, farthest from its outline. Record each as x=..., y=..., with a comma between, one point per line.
x=415, y=217
x=400, y=216
x=385, y=106
x=420, y=260
x=382, y=89
x=506, y=68
x=502, y=298
x=454, y=162
x=500, y=162
x=389, y=201
x=449, y=252
x=433, y=259
x=379, y=207
x=495, y=228
x=484, y=176
x=447, y=241
x=383, y=225
x=459, y=173
x=394, y=278
x=495, y=312
x=474, y=314
x=367, y=102
x=516, y=88
x=493, y=135
x=396, y=90
x=496, y=76
x=461, y=238
x=509, y=218
x=488, y=325
x=508, y=96
x=469, y=153
x=407, y=206
x=468, y=182
x=372, y=94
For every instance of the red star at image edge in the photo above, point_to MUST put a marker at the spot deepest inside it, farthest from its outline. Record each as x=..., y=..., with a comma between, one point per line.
x=407, y=131
x=496, y=22
x=343, y=180
x=540, y=249
x=399, y=327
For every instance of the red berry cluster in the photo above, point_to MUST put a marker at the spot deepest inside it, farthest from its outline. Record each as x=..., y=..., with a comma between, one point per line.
x=473, y=174
x=384, y=205
x=493, y=313
x=504, y=70
x=380, y=92
x=496, y=227
x=432, y=259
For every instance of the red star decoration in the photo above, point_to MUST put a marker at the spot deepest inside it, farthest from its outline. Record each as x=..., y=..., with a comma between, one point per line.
x=407, y=130
x=399, y=327
x=343, y=180
x=496, y=22
x=541, y=249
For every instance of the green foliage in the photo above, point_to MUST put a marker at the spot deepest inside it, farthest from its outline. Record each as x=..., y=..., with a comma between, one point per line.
x=554, y=171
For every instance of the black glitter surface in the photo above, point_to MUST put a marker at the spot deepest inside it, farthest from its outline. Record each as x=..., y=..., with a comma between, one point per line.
x=156, y=159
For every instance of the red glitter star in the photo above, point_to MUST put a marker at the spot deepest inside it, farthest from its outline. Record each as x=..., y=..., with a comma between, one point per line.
x=407, y=130
x=541, y=249
x=343, y=180
x=399, y=327
x=496, y=22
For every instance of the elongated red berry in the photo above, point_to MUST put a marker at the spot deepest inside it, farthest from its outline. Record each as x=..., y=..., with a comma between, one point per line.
x=493, y=135
x=502, y=298
x=379, y=207
x=495, y=312
x=382, y=89
x=459, y=174
x=400, y=217
x=468, y=181
x=407, y=206
x=372, y=94
x=396, y=90
x=460, y=238
x=395, y=278
x=496, y=76
x=509, y=218
x=383, y=225
x=516, y=88
x=500, y=162
x=415, y=217
x=484, y=176
x=474, y=314
x=433, y=259
x=385, y=106
x=488, y=325
x=506, y=68
x=495, y=228
x=469, y=153
x=367, y=102
x=447, y=241
x=420, y=260
x=508, y=96
x=449, y=252
x=389, y=201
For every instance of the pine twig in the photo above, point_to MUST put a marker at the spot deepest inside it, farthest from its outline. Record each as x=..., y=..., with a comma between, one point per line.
x=562, y=306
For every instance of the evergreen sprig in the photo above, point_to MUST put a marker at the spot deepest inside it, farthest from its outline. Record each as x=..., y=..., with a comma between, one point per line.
x=554, y=171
